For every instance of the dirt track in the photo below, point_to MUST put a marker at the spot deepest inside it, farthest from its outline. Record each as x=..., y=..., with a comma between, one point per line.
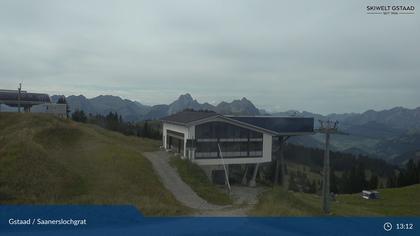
x=244, y=197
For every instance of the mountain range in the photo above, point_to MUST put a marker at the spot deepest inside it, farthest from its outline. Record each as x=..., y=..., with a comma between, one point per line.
x=135, y=111
x=392, y=134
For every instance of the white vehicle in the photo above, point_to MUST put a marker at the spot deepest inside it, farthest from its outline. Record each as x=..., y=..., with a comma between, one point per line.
x=370, y=194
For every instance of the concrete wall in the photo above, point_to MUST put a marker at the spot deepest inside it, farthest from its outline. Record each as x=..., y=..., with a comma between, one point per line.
x=176, y=128
x=51, y=108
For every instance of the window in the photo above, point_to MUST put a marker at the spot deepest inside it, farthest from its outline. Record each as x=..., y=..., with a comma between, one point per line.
x=234, y=141
x=224, y=130
x=229, y=149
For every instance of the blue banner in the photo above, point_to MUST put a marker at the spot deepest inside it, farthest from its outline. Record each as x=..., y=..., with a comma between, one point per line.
x=127, y=220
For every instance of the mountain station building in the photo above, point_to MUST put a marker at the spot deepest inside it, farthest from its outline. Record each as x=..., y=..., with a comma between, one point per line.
x=214, y=141
x=12, y=100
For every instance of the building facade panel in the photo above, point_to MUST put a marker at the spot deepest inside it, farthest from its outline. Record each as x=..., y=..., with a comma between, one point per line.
x=59, y=110
x=238, y=145
x=167, y=138
x=234, y=141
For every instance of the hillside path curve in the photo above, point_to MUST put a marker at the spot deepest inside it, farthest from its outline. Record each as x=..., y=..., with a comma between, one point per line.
x=173, y=182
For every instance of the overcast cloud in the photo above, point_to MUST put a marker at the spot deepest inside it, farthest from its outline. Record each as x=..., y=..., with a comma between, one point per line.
x=320, y=56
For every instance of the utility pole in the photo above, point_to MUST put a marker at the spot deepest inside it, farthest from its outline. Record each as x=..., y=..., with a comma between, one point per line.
x=327, y=127
x=19, y=92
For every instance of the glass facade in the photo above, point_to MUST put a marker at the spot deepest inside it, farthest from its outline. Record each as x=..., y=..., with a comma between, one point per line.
x=234, y=141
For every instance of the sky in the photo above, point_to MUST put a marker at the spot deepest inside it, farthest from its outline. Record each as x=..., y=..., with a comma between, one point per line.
x=318, y=56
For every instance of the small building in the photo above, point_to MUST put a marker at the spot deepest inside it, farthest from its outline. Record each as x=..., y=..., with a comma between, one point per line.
x=10, y=100
x=59, y=110
x=366, y=194
x=212, y=140
x=25, y=100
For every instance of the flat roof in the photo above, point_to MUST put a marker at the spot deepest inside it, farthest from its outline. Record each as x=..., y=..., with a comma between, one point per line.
x=11, y=96
x=279, y=124
x=185, y=117
x=274, y=124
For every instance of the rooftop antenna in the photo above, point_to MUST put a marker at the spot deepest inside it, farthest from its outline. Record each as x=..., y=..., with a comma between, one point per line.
x=327, y=127
x=19, y=93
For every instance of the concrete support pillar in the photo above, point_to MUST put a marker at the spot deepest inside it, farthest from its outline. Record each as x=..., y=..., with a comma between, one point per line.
x=280, y=164
x=244, y=179
x=226, y=169
x=252, y=182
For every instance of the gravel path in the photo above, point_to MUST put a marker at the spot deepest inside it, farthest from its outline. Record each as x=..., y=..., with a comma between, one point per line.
x=244, y=197
x=173, y=182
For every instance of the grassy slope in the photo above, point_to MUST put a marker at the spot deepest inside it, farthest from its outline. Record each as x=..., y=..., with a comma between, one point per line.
x=198, y=181
x=45, y=160
x=394, y=202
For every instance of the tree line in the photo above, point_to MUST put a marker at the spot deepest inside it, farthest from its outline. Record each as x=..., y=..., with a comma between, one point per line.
x=349, y=173
x=113, y=121
x=408, y=176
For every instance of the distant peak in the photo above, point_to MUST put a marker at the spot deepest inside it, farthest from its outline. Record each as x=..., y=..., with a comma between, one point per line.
x=186, y=96
x=78, y=96
x=398, y=108
x=107, y=96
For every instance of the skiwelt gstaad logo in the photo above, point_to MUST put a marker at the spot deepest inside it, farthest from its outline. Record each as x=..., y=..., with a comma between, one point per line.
x=397, y=9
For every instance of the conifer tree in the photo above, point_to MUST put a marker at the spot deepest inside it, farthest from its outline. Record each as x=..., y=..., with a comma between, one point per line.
x=333, y=182
x=391, y=182
x=373, y=182
x=292, y=183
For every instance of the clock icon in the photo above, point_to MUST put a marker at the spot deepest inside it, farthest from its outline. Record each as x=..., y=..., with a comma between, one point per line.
x=387, y=226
